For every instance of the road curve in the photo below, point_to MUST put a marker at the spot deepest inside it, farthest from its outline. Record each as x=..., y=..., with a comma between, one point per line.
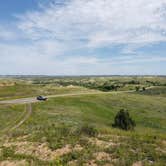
x=33, y=99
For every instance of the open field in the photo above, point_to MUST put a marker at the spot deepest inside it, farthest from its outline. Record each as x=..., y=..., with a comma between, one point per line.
x=77, y=129
x=158, y=90
x=22, y=89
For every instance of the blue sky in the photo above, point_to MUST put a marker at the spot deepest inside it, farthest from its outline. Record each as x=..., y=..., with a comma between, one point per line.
x=9, y=8
x=81, y=37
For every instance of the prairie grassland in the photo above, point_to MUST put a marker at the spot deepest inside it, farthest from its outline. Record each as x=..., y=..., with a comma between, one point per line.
x=21, y=91
x=30, y=86
x=62, y=122
x=77, y=130
x=157, y=90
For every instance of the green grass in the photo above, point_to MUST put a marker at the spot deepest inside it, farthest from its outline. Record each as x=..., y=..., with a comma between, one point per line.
x=30, y=90
x=28, y=87
x=159, y=90
x=101, y=109
x=58, y=122
x=10, y=115
x=74, y=120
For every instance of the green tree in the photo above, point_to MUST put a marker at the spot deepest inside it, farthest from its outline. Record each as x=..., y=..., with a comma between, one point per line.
x=143, y=88
x=123, y=120
x=137, y=88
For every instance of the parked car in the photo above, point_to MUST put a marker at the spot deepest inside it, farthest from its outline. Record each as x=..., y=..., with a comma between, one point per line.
x=41, y=98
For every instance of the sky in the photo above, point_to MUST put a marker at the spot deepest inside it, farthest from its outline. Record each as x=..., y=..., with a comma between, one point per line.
x=82, y=37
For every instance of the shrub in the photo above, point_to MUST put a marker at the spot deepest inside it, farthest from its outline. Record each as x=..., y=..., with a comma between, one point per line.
x=143, y=89
x=137, y=88
x=108, y=87
x=123, y=120
x=133, y=82
x=88, y=130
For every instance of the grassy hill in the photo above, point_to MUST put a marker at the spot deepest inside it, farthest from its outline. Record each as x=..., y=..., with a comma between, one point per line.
x=77, y=130
x=30, y=90
x=158, y=90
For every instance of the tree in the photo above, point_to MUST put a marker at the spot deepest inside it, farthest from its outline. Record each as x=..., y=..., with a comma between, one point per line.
x=143, y=88
x=137, y=88
x=123, y=120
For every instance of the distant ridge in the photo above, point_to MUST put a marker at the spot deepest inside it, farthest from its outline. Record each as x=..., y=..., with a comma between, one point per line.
x=57, y=76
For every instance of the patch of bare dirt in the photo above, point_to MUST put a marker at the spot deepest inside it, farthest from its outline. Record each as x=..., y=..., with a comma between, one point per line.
x=113, y=138
x=108, y=164
x=99, y=156
x=21, y=138
x=0, y=152
x=78, y=147
x=138, y=163
x=3, y=84
x=164, y=142
x=13, y=163
x=62, y=151
x=70, y=86
x=161, y=150
x=102, y=156
x=103, y=144
x=162, y=147
x=72, y=163
x=90, y=163
x=41, y=151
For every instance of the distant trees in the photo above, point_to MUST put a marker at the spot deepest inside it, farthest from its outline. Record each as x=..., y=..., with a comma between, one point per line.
x=143, y=88
x=123, y=120
x=107, y=87
x=133, y=82
x=137, y=88
x=155, y=83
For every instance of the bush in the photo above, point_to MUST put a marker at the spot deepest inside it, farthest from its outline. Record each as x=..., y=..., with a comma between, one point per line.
x=123, y=120
x=137, y=88
x=88, y=130
x=108, y=87
x=143, y=89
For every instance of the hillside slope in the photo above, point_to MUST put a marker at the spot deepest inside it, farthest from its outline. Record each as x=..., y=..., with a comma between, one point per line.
x=76, y=130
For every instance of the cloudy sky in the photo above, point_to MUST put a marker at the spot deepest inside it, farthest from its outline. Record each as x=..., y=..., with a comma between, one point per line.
x=83, y=37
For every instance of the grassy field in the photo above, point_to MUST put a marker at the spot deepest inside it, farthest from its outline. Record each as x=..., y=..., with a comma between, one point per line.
x=158, y=90
x=30, y=90
x=10, y=115
x=77, y=130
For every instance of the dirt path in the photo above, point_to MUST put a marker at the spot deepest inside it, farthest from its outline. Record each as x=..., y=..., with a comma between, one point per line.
x=19, y=121
x=33, y=99
x=27, y=115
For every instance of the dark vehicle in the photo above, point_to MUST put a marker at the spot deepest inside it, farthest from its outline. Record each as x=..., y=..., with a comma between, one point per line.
x=41, y=98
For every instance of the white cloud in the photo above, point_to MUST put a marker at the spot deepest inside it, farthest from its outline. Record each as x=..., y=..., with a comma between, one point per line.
x=16, y=59
x=6, y=34
x=99, y=22
x=39, y=59
x=51, y=34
